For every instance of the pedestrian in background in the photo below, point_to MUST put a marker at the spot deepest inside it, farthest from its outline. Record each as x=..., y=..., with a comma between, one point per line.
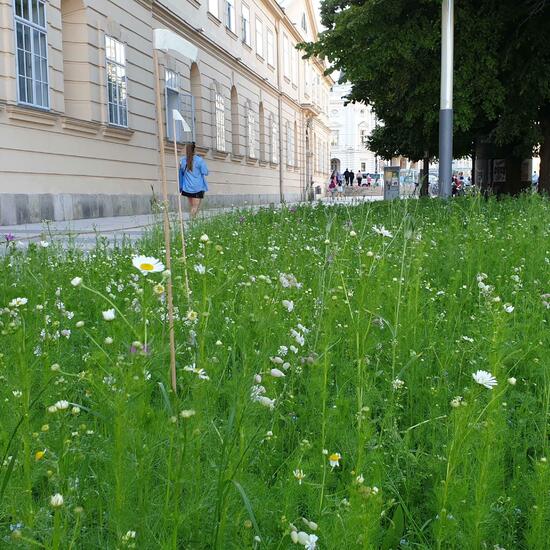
x=359, y=177
x=346, y=175
x=351, y=178
x=192, y=178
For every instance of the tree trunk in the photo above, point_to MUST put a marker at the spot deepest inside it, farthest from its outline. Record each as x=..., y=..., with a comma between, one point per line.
x=544, y=175
x=425, y=176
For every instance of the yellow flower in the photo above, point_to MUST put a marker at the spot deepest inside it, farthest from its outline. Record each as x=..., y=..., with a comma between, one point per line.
x=158, y=289
x=334, y=459
x=39, y=455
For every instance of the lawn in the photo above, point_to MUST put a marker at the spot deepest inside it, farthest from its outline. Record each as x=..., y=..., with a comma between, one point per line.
x=367, y=377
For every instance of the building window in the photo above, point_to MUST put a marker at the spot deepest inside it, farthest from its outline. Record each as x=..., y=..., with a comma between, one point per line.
x=246, y=25
x=213, y=8
x=304, y=22
x=251, y=131
x=259, y=38
x=220, y=120
x=294, y=66
x=335, y=138
x=290, y=160
x=32, y=52
x=172, y=104
x=230, y=15
x=286, y=57
x=270, y=48
x=363, y=136
x=274, y=141
x=116, y=81
x=363, y=166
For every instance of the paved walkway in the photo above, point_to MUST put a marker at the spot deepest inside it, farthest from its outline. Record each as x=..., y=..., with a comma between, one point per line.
x=85, y=232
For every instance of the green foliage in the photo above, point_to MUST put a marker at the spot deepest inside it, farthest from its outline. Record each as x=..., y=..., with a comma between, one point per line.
x=378, y=349
x=390, y=52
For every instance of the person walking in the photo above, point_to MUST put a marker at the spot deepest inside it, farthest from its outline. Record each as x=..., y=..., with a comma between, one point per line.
x=359, y=177
x=192, y=178
x=351, y=178
x=333, y=183
x=346, y=176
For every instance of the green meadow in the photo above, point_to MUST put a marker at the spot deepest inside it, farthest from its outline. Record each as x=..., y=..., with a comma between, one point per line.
x=366, y=377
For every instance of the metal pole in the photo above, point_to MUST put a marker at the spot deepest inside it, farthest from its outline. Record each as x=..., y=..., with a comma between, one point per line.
x=446, y=112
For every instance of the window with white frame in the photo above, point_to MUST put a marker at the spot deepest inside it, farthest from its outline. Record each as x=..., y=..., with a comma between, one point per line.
x=220, y=119
x=363, y=136
x=294, y=66
x=290, y=160
x=230, y=21
x=245, y=21
x=303, y=23
x=274, y=141
x=117, y=87
x=259, y=38
x=270, y=48
x=214, y=8
x=32, y=53
x=172, y=92
x=251, y=131
x=286, y=57
x=335, y=138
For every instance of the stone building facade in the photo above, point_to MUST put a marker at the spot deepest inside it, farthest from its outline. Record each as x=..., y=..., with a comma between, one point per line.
x=350, y=126
x=78, y=123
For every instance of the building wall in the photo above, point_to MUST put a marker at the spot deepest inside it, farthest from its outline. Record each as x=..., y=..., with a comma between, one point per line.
x=68, y=162
x=348, y=125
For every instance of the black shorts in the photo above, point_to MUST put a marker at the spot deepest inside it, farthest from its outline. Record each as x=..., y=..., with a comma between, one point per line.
x=198, y=195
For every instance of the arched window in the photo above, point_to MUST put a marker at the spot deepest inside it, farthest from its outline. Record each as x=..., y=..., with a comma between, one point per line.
x=274, y=139
x=218, y=101
x=262, y=132
x=196, y=92
x=250, y=131
x=235, y=125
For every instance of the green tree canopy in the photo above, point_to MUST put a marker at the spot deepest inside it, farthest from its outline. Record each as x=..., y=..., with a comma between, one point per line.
x=390, y=51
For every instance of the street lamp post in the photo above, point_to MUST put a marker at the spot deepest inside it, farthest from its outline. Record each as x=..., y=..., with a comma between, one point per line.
x=446, y=112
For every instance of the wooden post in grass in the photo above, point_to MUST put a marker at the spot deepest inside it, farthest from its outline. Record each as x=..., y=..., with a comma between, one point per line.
x=176, y=117
x=169, y=290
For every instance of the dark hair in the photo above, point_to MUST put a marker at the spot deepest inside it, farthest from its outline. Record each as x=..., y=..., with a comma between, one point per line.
x=189, y=154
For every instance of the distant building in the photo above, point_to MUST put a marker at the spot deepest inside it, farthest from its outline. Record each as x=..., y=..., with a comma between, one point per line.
x=78, y=123
x=350, y=127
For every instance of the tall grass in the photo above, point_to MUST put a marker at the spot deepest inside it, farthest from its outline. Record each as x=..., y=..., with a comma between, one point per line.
x=377, y=435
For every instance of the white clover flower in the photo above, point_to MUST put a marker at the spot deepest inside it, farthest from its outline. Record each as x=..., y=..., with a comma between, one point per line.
x=108, y=315
x=352, y=233
x=299, y=475
x=512, y=381
x=276, y=373
x=288, y=305
x=75, y=410
x=108, y=340
x=508, y=308
x=187, y=413
x=457, y=402
x=77, y=281
x=147, y=264
x=56, y=501
x=484, y=378
x=397, y=384
x=204, y=238
x=62, y=405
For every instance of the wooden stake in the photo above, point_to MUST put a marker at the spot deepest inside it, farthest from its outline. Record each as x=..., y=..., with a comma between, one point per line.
x=180, y=212
x=169, y=289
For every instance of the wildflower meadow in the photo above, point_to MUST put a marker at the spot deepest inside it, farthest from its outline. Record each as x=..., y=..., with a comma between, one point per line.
x=366, y=377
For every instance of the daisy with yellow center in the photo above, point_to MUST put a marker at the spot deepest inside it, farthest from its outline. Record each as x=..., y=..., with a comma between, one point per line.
x=334, y=460
x=147, y=264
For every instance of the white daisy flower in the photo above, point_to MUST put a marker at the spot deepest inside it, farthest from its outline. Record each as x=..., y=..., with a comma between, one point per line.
x=147, y=264
x=334, y=459
x=381, y=230
x=484, y=378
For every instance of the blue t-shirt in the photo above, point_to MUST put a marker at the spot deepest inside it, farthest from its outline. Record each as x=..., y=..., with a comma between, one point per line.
x=193, y=181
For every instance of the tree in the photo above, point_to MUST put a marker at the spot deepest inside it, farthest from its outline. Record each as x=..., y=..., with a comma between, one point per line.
x=390, y=51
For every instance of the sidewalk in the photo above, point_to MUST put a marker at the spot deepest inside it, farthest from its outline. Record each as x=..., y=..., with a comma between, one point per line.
x=85, y=232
